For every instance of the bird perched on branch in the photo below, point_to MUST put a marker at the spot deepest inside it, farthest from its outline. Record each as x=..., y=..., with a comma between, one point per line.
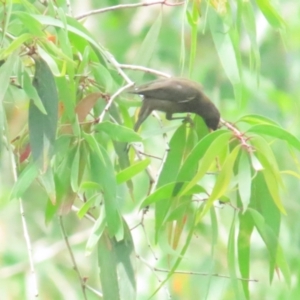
x=175, y=95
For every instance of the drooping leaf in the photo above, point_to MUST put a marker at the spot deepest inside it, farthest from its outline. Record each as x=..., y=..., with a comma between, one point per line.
x=42, y=128
x=102, y=172
x=117, y=266
x=243, y=248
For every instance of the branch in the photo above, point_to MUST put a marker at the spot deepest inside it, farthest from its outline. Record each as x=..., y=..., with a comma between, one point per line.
x=125, y=6
x=238, y=134
x=109, y=103
x=24, y=222
x=193, y=273
x=82, y=282
x=144, y=69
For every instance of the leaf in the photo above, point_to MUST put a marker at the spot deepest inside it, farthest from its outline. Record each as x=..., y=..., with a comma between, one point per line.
x=223, y=180
x=224, y=44
x=117, y=267
x=31, y=23
x=257, y=119
x=270, y=171
x=270, y=13
x=96, y=233
x=231, y=259
x=15, y=44
x=270, y=240
x=244, y=180
x=148, y=46
x=118, y=133
x=246, y=226
x=5, y=73
x=85, y=105
x=170, y=190
x=134, y=169
x=25, y=179
x=277, y=132
x=47, y=180
x=172, y=164
x=42, y=128
x=102, y=172
x=209, y=155
x=249, y=20
x=32, y=93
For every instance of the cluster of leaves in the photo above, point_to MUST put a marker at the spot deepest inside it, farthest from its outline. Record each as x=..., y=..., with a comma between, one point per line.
x=75, y=145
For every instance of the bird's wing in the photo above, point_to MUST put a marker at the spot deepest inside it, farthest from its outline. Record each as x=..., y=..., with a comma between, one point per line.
x=170, y=89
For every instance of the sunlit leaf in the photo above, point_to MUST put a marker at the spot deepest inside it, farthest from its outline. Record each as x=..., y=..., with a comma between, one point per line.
x=277, y=132
x=270, y=13
x=133, y=170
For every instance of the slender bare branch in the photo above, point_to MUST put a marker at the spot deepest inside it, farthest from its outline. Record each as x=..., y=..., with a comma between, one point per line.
x=144, y=69
x=82, y=282
x=24, y=222
x=125, y=6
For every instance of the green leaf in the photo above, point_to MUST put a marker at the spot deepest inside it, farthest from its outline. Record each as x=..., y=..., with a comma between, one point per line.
x=224, y=44
x=32, y=93
x=25, y=179
x=5, y=73
x=244, y=180
x=75, y=170
x=243, y=248
x=148, y=46
x=119, y=133
x=270, y=13
x=96, y=234
x=256, y=119
x=15, y=44
x=117, y=267
x=133, y=170
x=170, y=190
x=47, y=180
x=249, y=20
x=214, y=148
x=223, y=180
x=42, y=128
x=32, y=24
x=231, y=258
x=270, y=240
x=102, y=172
x=173, y=161
x=271, y=170
x=277, y=132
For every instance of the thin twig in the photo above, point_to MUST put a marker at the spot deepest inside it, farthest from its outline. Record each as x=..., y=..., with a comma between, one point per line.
x=109, y=103
x=82, y=282
x=144, y=69
x=125, y=6
x=238, y=134
x=193, y=273
x=24, y=223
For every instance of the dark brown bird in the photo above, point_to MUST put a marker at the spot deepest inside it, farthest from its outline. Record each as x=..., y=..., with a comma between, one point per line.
x=176, y=95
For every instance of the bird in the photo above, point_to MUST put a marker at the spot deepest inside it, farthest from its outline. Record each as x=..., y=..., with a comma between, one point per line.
x=175, y=95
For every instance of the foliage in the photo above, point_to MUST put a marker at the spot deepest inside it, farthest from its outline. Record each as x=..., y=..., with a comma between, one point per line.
x=76, y=150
